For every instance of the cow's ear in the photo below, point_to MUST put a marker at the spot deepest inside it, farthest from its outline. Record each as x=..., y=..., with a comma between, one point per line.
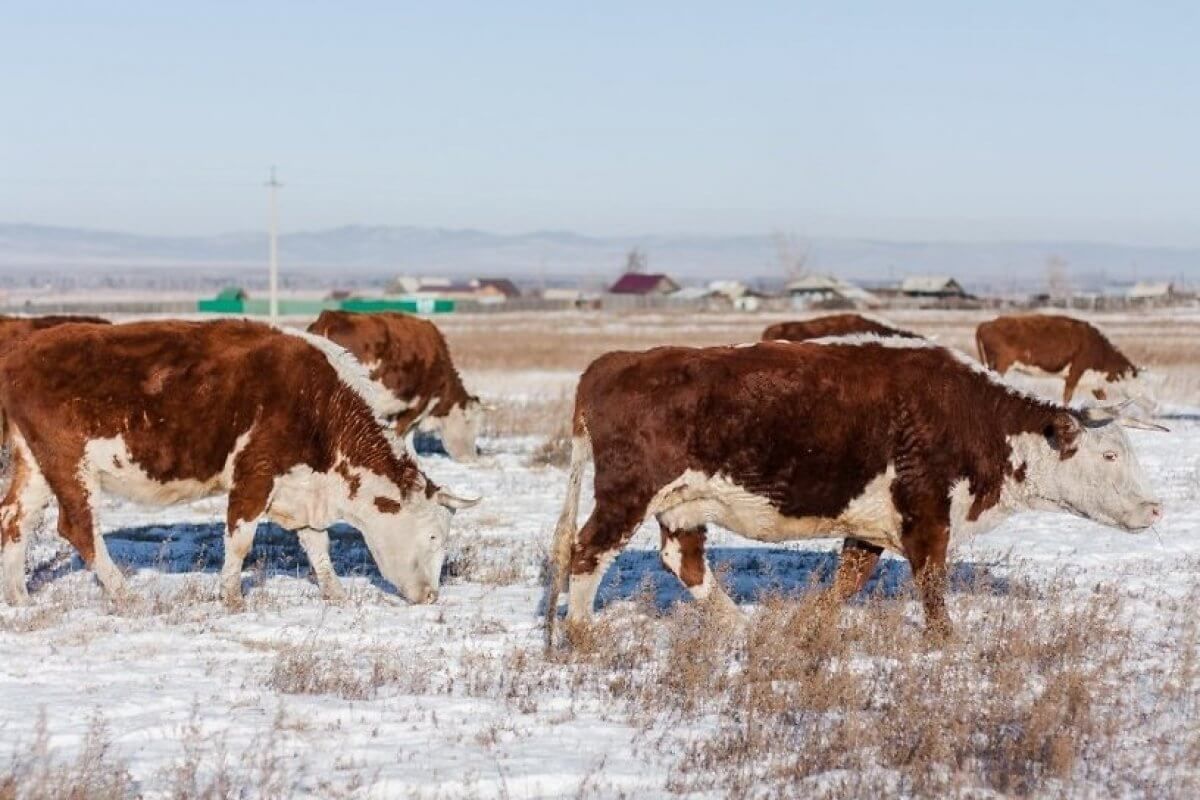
x=1063, y=432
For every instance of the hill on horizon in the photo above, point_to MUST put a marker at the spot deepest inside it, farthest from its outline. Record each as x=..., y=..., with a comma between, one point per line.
x=383, y=251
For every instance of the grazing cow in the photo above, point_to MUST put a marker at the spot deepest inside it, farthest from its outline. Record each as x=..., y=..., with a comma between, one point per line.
x=897, y=443
x=830, y=325
x=1053, y=345
x=14, y=329
x=166, y=412
x=408, y=357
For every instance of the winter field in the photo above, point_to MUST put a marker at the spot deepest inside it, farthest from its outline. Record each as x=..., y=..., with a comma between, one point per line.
x=1074, y=670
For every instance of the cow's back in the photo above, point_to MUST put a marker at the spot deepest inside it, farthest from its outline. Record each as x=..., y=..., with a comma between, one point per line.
x=1047, y=342
x=14, y=329
x=806, y=425
x=179, y=394
x=407, y=354
x=831, y=325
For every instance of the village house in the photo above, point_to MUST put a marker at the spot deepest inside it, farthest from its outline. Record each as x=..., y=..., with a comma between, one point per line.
x=644, y=284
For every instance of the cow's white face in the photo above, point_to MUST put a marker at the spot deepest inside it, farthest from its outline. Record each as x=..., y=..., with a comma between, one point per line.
x=408, y=539
x=409, y=546
x=459, y=429
x=1101, y=480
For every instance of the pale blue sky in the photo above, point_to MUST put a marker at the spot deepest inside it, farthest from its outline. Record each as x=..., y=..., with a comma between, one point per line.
x=949, y=120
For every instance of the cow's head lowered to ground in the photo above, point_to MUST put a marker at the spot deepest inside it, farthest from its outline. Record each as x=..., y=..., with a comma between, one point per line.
x=1083, y=464
x=405, y=530
x=458, y=429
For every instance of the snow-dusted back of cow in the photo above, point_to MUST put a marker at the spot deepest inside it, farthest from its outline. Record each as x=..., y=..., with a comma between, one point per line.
x=831, y=325
x=410, y=365
x=894, y=443
x=165, y=412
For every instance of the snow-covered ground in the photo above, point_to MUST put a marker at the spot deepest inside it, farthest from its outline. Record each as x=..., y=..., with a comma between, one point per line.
x=383, y=699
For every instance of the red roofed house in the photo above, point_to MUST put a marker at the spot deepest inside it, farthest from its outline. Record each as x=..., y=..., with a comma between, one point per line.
x=643, y=284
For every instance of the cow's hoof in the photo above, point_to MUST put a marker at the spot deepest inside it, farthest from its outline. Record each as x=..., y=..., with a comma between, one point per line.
x=18, y=599
x=234, y=603
x=579, y=633
x=337, y=598
x=939, y=632
x=125, y=602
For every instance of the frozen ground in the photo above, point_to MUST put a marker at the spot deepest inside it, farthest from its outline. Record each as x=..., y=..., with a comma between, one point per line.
x=410, y=701
x=378, y=698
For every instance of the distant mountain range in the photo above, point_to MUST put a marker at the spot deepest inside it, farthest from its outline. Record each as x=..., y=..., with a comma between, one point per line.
x=379, y=252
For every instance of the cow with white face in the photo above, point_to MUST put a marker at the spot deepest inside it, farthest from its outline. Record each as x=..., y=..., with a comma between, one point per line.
x=893, y=443
x=166, y=412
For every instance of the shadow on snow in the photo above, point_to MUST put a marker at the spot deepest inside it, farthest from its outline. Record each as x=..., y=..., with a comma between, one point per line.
x=749, y=573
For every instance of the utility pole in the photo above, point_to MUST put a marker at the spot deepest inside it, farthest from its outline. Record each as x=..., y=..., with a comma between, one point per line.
x=273, y=236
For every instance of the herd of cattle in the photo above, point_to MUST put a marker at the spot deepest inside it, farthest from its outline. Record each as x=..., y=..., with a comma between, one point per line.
x=838, y=426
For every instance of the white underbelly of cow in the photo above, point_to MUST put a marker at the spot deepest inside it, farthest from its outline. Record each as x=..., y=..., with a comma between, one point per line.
x=1036, y=372
x=108, y=464
x=695, y=499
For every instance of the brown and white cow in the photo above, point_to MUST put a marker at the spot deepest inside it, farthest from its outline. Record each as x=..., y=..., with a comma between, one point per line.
x=1045, y=344
x=166, y=412
x=896, y=443
x=409, y=359
x=830, y=325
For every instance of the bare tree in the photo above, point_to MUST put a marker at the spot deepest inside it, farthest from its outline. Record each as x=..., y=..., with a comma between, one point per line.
x=1058, y=284
x=793, y=254
x=635, y=260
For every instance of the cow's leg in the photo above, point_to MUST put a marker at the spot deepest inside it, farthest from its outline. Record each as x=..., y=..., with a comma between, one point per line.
x=21, y=513
x=1074, y=375
x=316, y=547
x=925, y=547
x=854, y=567
x=682, y=553
x=252, y=485
x=77, y=523
x=239, y=538
x=600, y=539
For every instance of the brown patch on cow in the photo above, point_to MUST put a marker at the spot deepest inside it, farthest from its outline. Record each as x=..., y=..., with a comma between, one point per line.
x=387, y=506
x=691, y=552
x=156, y=381
x=830, y=325
x=1100, y=394
x=1019, y=473
x=353, y=482
x=771, y=416
x=75, y=383
x=1051, y=343
x=409, y=356
x=117, y=462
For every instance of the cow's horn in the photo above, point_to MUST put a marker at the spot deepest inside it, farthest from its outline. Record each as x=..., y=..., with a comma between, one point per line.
x=454, y=502
x=1142, y=425
x=1102, y=415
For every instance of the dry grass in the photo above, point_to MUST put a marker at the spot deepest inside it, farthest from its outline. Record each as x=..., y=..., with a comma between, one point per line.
x=475, y=557
x=204, y=771
x=1039, y=694
x=1045, y=691
x=555, y=449
x=570, y=341
x=34, y=772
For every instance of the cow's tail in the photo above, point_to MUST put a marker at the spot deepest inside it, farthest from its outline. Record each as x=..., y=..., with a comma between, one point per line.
x=984, y=358
x=567, y=529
